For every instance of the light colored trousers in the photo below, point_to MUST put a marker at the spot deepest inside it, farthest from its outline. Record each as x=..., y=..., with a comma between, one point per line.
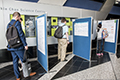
x=62, y=45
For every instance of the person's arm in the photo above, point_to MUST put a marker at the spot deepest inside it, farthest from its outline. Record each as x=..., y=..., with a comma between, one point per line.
x=67, y=35
x=21, y=35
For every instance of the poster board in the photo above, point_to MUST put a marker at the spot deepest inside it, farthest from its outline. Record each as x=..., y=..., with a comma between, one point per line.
x=82, y=31
x=111, y=41
x=42, y=50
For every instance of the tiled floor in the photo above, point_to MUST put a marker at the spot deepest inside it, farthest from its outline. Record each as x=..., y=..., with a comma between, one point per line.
x=78, y=64
x=7, y=72
x=52, y=62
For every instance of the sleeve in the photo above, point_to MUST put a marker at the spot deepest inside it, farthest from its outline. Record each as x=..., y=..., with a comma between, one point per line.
x=21, y=34
x=66, y=29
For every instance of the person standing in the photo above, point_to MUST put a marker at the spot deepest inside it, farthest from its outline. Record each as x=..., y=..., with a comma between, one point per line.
x=62, y=43
x=101, y=35
x=18, y=52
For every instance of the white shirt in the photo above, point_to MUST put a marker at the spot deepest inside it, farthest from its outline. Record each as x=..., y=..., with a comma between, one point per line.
x=99, y=34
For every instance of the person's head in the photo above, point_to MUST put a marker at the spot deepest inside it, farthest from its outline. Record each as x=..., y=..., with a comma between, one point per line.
x=100, y=25
x=63, y=20
x=20, y=19
x=16, y=15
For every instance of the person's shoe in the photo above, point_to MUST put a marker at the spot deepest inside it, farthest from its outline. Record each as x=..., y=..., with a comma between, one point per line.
x=101, y=54
x=20, y=68
x=18, y=79
x=64, y=60
x=32, y=73
x=98, y=54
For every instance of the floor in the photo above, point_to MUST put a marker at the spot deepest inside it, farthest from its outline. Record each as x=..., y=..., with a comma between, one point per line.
x=76, y=68
x=78, y=64
x=52, y=62
x=6, y=73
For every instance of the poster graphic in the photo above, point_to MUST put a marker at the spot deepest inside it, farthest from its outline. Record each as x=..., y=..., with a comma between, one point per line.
x=110, y=25
x=41, y=34
x=81, y=29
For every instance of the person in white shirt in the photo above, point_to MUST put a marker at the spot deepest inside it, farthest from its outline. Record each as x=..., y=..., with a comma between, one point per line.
x=101, y=35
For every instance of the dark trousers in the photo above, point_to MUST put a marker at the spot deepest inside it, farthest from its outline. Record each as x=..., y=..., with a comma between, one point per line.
x=16, y=55
x=101, y=44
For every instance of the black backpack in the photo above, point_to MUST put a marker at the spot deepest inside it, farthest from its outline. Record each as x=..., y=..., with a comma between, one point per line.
x=13, y=37
x=59, y=32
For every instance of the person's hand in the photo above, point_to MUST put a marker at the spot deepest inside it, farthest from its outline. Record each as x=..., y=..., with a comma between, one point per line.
x=26, y=47
x=68, y=42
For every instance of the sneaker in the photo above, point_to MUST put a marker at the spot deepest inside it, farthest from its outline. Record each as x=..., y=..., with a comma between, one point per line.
x=20, y=68
x=98, y=54
x=32, y=73
x=64, y=60
x=101, y=54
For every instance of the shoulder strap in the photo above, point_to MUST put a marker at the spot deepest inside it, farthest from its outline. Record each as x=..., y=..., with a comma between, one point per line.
x=11, y=24
x=14, y=23
x=63, y=25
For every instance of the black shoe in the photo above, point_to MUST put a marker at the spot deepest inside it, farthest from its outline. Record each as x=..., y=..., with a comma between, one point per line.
x=64, y=60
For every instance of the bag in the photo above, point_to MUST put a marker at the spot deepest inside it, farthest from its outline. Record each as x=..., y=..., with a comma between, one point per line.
x=59, y=33
x=26, y=66
x=13, y=37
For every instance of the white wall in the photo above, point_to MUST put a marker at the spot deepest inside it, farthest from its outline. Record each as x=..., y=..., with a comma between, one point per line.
x=52, y=10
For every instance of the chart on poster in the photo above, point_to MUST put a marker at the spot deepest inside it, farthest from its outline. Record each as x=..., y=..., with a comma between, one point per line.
x=110, y=26
x=81, y=29
x=41, y=34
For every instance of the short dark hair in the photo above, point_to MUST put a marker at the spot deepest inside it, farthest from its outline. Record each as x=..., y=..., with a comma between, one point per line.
x=63, y=20
x=16, y=14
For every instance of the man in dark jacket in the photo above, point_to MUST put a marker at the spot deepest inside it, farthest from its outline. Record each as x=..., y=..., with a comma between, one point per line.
x=18, y=53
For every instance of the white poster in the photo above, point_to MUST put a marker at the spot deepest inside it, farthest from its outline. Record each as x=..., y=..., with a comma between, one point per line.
x=41, y=34
x=110, y=25
x=81, y=29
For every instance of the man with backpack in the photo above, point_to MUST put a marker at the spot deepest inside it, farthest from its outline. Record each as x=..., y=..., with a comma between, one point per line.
x=17, y=51
x=62, y=42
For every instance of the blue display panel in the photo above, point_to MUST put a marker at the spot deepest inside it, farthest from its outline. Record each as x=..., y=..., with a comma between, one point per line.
x=41, y=39
x=82, y=31
x=112, y=46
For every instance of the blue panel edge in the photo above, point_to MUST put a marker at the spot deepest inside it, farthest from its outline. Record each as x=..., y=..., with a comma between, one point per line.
x=41, y=54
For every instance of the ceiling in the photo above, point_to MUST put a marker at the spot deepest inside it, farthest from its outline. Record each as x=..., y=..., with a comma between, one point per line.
x=95, y=5
x=85, y=4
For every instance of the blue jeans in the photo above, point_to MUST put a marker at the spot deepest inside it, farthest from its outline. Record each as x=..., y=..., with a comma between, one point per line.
x=18, y=54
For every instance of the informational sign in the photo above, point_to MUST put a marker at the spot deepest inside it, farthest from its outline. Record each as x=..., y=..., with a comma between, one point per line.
x=82, y=44
x=110, y=26
x=81, y=29
x=41, y=34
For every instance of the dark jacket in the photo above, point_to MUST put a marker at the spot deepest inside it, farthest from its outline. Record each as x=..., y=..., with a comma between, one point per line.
x=21, y=35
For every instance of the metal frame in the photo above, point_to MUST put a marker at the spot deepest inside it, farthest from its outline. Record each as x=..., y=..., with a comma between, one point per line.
x=117, y=36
